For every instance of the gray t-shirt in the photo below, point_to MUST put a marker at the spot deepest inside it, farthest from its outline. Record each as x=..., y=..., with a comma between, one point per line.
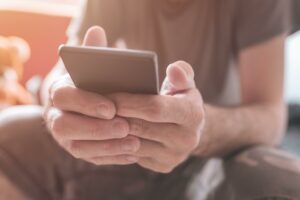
x=206, y=33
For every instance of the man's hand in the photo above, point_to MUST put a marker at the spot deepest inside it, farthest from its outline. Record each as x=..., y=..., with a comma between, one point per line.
x=85, y=124
x=156, y=131
x=168, y=126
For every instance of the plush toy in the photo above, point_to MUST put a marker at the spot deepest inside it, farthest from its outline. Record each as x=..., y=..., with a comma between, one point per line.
x=14, y=52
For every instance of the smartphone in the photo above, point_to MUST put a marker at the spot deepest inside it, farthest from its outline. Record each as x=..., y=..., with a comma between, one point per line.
x=109, y=70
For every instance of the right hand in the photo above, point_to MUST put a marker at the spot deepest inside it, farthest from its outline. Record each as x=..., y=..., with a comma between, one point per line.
x=85, y=124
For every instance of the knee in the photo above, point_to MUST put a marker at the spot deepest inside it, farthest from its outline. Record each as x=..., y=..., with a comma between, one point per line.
x=263, y=172
x=16, y=122
x=9, y=190
x=21, y=115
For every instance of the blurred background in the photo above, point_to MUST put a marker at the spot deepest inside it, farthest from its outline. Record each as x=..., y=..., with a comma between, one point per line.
x=42, y=24
x=40, y=27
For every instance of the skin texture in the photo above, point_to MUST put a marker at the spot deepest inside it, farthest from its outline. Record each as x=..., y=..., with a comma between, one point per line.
x=159, y=132
x=261, y=118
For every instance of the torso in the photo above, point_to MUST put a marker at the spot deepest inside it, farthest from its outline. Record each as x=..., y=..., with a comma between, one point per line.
x=197, y=31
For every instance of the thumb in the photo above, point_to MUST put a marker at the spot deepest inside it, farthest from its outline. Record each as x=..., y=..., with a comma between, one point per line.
x=180, y=77
x=95, y=36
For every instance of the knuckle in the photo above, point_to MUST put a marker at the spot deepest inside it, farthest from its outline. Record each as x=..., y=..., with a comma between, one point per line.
x=191, y=141
x=188, y=141
x=131, y=143
x=193, y=114
x=81, y=100
x=193, y=146
x=184, y=112
x=137, y=126
x=105, y=109
x=60, y=93
x=198, y=106
x=95, y=129
x=156, y=107
x=107, y=146
x=180, y=159
x=121, y=126
x=135, y=142
x=186, y=116
x=94, y=104
x=177, y=158
x=190, y=113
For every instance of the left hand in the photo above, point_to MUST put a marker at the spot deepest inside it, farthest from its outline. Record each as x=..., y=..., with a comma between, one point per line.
x=167, y=125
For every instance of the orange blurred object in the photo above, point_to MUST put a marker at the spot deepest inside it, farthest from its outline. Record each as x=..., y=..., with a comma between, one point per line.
x=14, y=52
x=42, y=25
x=12, y=93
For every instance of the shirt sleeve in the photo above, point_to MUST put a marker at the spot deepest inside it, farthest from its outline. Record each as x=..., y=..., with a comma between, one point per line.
x=260, y=20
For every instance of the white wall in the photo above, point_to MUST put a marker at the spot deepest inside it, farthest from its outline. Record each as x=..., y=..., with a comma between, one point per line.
x=292, y=79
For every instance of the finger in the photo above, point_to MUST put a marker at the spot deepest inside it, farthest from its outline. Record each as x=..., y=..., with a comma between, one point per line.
x=170, y=135
x=49, y=115
x=71, y=126
x=91, y=149
x=155, y=150
x=180, y=77
x=65, y=96
x=114, y=160
x=153, y=165
x=155, y=108
x=95, y=36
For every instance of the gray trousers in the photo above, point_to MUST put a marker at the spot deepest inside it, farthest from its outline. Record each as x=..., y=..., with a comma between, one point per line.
x=40, y=170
